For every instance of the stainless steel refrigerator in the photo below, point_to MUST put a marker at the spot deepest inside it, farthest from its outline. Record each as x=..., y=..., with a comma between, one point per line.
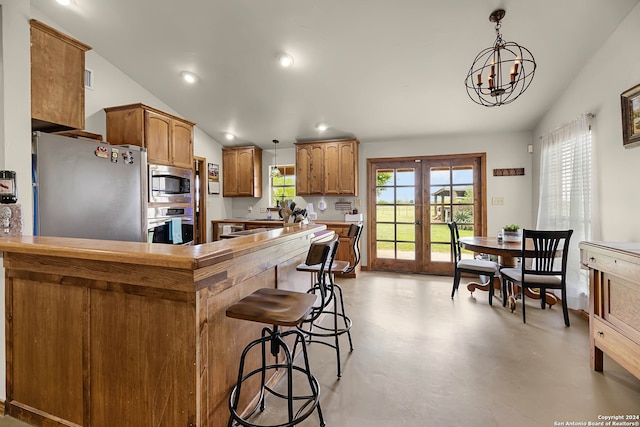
x=89, y=189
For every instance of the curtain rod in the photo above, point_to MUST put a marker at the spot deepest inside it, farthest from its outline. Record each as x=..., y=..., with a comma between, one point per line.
x=589, y=115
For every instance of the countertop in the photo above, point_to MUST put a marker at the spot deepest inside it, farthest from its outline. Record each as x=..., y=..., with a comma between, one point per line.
x=153, y=254
x=273, y=221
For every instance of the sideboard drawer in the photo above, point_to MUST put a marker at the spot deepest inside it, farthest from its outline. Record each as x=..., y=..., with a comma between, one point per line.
x=619, y=347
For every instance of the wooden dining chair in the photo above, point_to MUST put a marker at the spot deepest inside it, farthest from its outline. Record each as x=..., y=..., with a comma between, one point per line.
x=543, y=265
x=483, y=268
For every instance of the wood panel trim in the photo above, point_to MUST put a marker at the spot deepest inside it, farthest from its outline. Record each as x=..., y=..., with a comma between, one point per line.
x=57, y=34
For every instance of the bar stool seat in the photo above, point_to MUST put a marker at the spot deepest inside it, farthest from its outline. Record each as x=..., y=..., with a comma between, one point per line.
x=278, y=308
x=330, y=296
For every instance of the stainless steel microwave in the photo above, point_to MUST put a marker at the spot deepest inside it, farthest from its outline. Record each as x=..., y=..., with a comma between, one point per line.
x=169, y=184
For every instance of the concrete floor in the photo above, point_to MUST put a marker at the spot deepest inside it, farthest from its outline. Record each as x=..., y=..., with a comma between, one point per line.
x=422, y=359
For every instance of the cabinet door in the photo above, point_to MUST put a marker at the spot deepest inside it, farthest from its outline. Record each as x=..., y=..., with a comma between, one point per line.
x=245, y=172
x=157, y=138
x=126, y=126
x=182, y=148
x=229, y=173
x=348, y=169
x=57, y=79
x=303, y=170
x=332, y=169
x=340, y=169
x=316, y=170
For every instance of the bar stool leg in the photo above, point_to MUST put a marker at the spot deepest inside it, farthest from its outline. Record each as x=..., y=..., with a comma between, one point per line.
x=276, y=341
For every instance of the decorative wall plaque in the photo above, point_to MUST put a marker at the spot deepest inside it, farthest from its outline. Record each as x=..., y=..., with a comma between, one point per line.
x=508, y=172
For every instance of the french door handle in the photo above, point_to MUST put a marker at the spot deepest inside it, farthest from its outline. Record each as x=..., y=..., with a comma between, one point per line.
x=418, y=222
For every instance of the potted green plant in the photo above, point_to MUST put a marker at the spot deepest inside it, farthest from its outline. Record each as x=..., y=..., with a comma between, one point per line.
x=511, y=233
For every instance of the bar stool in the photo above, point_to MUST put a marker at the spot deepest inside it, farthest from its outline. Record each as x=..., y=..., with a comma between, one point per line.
x=330, y=301
x=278, y=308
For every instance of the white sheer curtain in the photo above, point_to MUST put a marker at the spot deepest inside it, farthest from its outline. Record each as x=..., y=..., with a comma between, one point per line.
x=567, y=196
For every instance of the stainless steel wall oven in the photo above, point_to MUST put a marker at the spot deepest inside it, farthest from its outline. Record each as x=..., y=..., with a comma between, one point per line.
x=170, y=225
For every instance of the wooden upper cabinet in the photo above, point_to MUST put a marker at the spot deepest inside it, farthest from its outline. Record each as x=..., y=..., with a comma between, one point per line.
x=157, y=138
x=242, y=171
x=309, y=169
x=57, y=79
x=167, y=138
x=327, y=168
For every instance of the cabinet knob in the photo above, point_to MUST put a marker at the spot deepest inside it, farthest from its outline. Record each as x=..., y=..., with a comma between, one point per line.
x=592, y=259
x=600, y=334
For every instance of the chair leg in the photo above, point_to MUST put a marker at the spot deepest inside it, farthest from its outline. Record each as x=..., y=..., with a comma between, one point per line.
x=524, y=317
x=543, y=298
x=503, y=290
x=344, y=317
x=456, y=282
x=565, y=309
x=490, y=281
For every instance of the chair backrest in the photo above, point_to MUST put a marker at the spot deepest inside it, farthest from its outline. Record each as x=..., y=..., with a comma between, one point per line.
x=455, y=241
x=355, y=230
x=323, y=254
x=544, y=249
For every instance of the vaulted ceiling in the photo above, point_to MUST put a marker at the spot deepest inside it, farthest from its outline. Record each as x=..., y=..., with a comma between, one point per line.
x=377, y=69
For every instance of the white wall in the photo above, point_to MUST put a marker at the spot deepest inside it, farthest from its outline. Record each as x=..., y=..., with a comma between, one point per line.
x=614, y=68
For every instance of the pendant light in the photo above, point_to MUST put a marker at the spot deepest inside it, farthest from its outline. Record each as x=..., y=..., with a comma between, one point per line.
x=275, y=171
x=500, y=73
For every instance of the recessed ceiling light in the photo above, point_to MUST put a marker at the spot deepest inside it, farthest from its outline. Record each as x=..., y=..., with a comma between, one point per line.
x=64, y=2
x=229, y=136
x=321, y=127
x=285, y=60
x=189, y=77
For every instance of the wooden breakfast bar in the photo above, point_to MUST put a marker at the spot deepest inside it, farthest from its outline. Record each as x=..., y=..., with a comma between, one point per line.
x=107, y=333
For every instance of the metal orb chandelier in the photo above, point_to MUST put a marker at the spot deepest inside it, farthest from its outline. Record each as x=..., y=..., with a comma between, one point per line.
x=500, y=73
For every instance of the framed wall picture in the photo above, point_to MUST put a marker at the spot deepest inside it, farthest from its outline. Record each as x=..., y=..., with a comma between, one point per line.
x=213, y=175
x=630, y=100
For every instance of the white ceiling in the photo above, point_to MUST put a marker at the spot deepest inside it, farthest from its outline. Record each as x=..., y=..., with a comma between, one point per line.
x=376, y=69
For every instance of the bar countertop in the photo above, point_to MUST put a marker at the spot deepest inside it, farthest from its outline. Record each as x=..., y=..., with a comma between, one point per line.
x=155, y=254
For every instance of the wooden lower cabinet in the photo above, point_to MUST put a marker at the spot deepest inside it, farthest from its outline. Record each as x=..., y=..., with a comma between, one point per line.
x=341, y=228
x=614, y=302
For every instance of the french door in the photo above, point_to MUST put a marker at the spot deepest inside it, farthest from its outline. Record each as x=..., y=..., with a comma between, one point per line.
x=410, y=203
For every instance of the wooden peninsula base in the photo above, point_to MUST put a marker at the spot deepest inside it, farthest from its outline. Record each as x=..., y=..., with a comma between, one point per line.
x=104, y=333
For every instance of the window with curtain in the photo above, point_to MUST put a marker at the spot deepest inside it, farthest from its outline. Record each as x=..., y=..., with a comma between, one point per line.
x=283, y=187
x=567, y=196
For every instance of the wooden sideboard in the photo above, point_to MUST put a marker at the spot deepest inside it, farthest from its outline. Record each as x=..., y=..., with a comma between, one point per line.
x=107, y=333
x=341, y=228
x=614, y=302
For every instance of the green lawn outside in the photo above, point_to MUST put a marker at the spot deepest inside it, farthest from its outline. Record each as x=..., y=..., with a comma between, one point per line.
x=406, y=229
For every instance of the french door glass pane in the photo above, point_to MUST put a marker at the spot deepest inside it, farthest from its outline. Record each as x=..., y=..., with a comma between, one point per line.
x=451, y=199
x=406, y=214
x=395, y=213
x=441, y=252
x=406, y=251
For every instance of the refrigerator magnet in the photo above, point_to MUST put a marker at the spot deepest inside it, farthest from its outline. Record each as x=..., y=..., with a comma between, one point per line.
x=127, y=157
x=102, y=152
x=115, y=153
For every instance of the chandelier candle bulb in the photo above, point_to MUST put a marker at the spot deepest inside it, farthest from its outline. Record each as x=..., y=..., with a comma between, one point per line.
x=479, y=79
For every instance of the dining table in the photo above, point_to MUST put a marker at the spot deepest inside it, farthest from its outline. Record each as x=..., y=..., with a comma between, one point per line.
x=508, y=253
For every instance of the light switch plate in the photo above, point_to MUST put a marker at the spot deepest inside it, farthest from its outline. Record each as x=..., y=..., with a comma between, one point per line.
x=499, y=200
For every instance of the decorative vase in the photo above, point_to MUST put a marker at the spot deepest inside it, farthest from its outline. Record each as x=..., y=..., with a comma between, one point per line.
x=512, y=236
